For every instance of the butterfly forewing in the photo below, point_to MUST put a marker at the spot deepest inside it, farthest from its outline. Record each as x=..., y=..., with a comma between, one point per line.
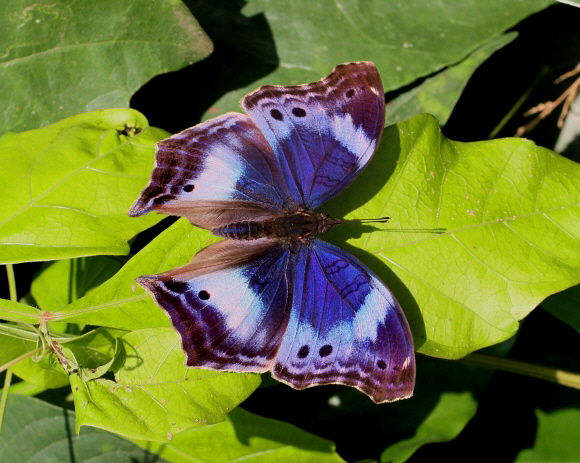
x=218, y=172
x=323, y=133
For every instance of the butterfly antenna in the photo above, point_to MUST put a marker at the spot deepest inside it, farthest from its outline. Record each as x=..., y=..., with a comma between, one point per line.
x=377, y=220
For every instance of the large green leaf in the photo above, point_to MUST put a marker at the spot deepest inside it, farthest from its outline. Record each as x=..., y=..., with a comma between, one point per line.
x=245, y=436
x=36, y=431
x=406, y=40
x=71, y=184
x=155, y=395
x=438, y=94
x=564, y=306
x=61, y=58
x=480, y=234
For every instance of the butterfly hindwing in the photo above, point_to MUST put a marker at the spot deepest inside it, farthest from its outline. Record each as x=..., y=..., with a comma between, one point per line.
x=345, y=327
x=323, y=133
x=218, y=172
x=230, y=311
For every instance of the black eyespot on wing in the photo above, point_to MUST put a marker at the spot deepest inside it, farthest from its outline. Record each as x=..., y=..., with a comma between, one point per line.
x=298, y=112
x=349, y=93
x=381, y=364
x=188, y=188
x=303, y=352
x=203, y=295
x=325, y=351
x=276, y=114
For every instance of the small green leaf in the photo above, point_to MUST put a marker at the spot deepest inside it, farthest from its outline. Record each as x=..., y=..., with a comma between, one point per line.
x=63, y=58
x=155, y=395
x=444, y=422
x=36, y=431
x=71, y=185
x=556, y=437
x=245, y=436
x=28, y=369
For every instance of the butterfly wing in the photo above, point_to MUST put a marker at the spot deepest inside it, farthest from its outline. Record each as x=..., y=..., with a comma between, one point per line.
x=219, y=172
x=345, y=327
x=231, y=305
x=323, y=134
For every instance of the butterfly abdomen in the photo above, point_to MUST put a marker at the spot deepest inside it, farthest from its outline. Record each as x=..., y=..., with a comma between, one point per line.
x=244, y=230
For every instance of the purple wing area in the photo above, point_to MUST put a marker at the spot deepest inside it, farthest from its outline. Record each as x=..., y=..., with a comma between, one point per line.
x=218, y=172
x=345, y=327
x=323, y=133
x=231, y=305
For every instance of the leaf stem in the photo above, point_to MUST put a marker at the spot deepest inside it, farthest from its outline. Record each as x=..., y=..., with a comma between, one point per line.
x=554, y=375
x=518, y=103
x=11, y=282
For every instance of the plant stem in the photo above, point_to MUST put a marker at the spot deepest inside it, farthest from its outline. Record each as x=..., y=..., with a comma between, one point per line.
x=565, y=378
x=519, y=103
x=8, y=377
x=4, y=397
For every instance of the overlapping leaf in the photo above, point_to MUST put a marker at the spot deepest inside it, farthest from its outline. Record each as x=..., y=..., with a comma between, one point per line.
x=36, y=431
x=406, y=40
x=63, y=58
x=155, y=396
x=71, y=184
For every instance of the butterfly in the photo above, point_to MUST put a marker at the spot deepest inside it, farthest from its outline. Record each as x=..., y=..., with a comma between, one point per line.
x=272, y=296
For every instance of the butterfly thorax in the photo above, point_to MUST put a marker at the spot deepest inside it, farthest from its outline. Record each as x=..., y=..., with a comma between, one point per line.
x=299, y=225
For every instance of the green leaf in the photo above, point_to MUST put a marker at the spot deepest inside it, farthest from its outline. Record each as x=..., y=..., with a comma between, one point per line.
x=15, y=311
x=28, y=369
x=155, y=395
x=71, y=185
x=556, y=437
x=246, y=436
x=480, y=233
x=59, y=283
x=444, y=422
x=63, y=58
x=437, y=95
x=406, y=40
x=36, y=431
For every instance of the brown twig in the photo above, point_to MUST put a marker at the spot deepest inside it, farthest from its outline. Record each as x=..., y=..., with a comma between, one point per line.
x=544, y=109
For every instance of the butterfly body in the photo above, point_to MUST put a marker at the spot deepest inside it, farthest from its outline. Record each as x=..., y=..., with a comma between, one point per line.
x=272, y=296
x=296, y=226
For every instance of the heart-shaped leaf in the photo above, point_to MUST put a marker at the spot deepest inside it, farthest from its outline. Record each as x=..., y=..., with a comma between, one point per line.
x=71, y=184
